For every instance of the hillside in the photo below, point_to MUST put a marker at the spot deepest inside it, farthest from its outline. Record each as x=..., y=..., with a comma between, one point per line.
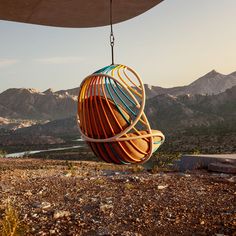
x=170, y=113
x=65, y=126
x=165, y=112
x=189, y=122
x=31, y=104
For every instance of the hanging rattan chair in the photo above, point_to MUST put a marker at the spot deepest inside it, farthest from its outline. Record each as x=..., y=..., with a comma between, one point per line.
x=111, y=116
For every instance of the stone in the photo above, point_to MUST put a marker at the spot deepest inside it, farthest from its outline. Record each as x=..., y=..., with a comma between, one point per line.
x=28, y=193
x=106, y=207
x=160, y=187
x=52, y=231
x=42, y=205
x=184, y=174
x=93, y=199
x=59, y=214
x=40, y=192
x=232, y=179
x=68, y=174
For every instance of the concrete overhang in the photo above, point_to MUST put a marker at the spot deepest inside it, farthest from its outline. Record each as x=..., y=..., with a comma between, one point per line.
x=72, y=13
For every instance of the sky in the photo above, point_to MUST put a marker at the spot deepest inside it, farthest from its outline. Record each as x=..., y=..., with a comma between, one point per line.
x=172, y=44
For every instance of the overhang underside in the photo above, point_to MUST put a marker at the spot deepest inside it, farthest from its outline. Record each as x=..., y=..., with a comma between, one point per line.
x=72, y=13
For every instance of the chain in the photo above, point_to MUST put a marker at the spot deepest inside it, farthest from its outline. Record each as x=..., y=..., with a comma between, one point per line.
x=112, y=37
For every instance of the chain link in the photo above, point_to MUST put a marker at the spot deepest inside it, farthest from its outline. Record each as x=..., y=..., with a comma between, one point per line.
x=112, y=37
x=112, y=40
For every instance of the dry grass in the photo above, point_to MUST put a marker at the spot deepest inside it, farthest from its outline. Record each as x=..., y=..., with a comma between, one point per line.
x=3, y=153
x=99, y=181
x=11, y=225
x=129, y=186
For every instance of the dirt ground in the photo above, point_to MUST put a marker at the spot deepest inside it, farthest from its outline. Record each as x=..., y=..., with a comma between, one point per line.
x=90, y=198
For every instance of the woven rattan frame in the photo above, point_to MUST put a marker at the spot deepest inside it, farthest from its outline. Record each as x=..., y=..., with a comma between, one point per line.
x=110, y=86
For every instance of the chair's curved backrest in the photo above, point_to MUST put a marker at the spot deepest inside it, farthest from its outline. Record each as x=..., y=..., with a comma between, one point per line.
x=111, y=116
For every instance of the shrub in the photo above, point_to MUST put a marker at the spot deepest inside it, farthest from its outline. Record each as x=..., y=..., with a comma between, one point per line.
x=3, y=153
x=165, y=160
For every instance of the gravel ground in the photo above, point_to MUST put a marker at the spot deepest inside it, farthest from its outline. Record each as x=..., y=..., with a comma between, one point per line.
x=91, y=198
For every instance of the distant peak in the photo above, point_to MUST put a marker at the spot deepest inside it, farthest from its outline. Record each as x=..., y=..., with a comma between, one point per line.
x=148, y=86
x=212, y=73
x=30, y=90
x=48, y=91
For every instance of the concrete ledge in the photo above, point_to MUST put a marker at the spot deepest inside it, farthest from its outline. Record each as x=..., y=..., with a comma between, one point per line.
x=191, y=162
x=223, y=168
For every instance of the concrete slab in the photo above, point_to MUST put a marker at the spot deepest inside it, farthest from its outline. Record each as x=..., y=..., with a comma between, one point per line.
x=202, y=161
x=222, y=168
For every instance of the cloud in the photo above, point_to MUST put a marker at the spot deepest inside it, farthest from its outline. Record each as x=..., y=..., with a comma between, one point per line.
x=60, y=60
x=7, y=62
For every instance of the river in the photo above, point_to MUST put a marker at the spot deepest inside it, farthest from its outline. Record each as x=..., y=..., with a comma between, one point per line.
x=21, y=154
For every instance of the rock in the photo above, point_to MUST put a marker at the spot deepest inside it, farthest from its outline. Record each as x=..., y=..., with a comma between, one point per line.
x=223, y=175
x=128, y=233
x=68, y=174
x=93, y=199
x=52, y=231
x=40, y=192
x=160, y=187
x=103, y=232
x=81, y=200
x=184, y=175
x=105, y=207
x=109, y=200
x=134, y=179
x=28, y=193
x=42, y=205
x=59, y=214
x=232, y=179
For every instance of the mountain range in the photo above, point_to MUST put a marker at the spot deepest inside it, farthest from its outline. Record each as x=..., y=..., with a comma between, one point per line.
x=209, y=84
x=170, y=113
x=25, y=103
x=165, y=112
x=22, y=103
